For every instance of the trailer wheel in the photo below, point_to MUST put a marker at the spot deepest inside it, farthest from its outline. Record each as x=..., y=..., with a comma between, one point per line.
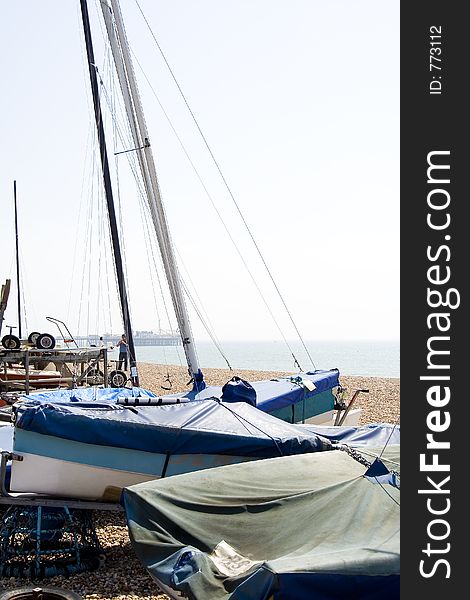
x=11, y=342
x=37, y=593
x=45, y=341
x=117, y=379
x=33, y=336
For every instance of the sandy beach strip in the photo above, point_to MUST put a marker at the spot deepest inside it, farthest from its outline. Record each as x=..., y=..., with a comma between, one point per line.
x=123, y=577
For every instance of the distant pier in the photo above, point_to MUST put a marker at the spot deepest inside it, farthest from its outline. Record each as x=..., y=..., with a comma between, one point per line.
x=141, y=338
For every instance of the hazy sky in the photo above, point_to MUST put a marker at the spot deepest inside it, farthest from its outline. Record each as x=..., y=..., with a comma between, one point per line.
x=299, y=101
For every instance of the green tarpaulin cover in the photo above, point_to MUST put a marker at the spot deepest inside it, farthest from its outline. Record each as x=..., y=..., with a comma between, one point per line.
x=308, y=526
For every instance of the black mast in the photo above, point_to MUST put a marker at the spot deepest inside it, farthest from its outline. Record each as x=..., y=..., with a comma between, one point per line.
x=17, y=262
x=109, y=193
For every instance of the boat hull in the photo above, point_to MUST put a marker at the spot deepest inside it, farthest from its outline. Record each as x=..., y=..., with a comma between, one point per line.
x=70, y=469
x=65, y=479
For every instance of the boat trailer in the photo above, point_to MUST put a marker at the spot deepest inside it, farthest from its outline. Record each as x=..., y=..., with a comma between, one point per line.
x=25, y=369
x=43, y=537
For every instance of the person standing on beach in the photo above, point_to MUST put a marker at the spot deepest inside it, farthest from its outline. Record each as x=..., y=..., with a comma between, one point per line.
x=123, y=352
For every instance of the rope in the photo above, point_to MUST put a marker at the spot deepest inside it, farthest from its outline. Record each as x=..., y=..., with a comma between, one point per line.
x=229, y=191
x=205, y=319
x=241, y=419
x=388, y=493
x=110, y=99
x=389, y=437
x=144, y=210
x=82, y=192
x=23, y=296
x=205, y=325
x=357, y=456
x=227, y=230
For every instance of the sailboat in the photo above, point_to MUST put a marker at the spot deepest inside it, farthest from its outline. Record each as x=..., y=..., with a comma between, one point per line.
x=303, y=397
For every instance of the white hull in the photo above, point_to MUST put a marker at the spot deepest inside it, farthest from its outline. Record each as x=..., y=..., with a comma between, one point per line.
x=328, y=418
x=54, y=477
x=61, y=478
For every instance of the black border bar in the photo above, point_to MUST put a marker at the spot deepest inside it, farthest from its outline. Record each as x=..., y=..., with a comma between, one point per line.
x=435, y=350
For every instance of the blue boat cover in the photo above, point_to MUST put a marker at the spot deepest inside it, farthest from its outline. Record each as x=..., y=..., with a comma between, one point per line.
x=309, y=526
x=376, y=434
x=90, y=394
x=274, y=394
x=271, y=394
x=199, y=427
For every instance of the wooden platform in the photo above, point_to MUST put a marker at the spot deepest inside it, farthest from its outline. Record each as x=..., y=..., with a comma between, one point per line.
x=25, y=369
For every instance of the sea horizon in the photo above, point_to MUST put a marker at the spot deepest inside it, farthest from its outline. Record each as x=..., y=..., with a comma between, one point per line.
x=368, y=358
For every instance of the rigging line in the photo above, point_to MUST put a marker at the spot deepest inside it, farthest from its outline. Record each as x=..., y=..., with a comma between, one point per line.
x=142, y=204
x=388, y=493
x=151, y=257
x=99, y=218
x=241, y=419
x=376, y=456
x=112, y=107
x=205, y=325
x=389, y=437
x=132, y=150
x=108, y=69
x=92, y=162
x=227, y=230
x=87, y=229
x=101, y=259
x=203, y=310
x=106, y=319
x=90, y=272
x=206, y=143
x=23, y=299
x=74, y=259
x=141, y=195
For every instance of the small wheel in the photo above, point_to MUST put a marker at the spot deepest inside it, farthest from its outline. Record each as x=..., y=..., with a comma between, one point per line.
x=117, y=379
x=45, y=341
x=33, y=336
x=11, y=342
x=31, y=593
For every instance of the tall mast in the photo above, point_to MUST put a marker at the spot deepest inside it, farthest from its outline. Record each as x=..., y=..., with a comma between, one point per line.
x=120, y=49
x=109, y=193
x=17, y=262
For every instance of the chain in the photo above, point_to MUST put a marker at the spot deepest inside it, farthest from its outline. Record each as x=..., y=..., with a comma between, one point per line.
x=357, y=456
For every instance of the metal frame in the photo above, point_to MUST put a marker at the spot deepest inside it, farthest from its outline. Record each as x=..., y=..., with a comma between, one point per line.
x=342, y=413
x=91, y=356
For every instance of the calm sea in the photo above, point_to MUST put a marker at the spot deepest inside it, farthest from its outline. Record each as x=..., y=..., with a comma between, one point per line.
x=368, y=358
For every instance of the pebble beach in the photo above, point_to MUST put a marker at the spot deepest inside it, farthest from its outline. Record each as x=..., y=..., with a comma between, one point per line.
x=122, y=577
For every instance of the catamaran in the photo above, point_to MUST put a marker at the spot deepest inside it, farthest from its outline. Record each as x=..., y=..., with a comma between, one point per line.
x=300, y=398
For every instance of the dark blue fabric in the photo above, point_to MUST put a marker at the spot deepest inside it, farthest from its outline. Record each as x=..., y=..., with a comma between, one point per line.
x=376, y=434
x=204, y=427
x=198, y=381
x=376, y=469
x=325, y=586
x=274, y=394
x=239, y=390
